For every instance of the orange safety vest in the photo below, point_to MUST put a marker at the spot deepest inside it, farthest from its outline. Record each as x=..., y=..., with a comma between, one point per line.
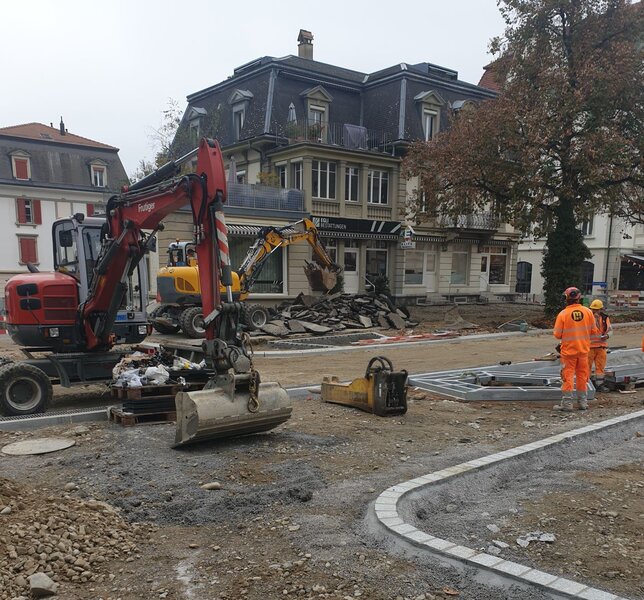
x=574, y=326
x=603, y=327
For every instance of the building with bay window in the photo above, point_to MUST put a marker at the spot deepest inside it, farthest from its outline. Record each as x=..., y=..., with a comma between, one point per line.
x=329, y=142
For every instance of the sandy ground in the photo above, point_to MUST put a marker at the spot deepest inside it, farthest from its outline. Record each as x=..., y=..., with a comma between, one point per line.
x=289, y=517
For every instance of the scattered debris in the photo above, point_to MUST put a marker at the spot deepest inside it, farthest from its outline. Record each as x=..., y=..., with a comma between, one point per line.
x=336, y=312
x=40, y=585
x=535, y=536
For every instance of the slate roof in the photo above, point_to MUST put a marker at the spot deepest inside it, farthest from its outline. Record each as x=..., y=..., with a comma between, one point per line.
x=371, y=100
x=58, y=161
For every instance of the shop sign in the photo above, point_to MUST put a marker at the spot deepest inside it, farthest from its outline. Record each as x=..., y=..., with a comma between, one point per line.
x=408, y=245
x=340, y=224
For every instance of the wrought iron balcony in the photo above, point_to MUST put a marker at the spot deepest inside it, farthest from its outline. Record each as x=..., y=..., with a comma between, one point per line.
x=263, y=197
x=485, y=221
x=345, y=135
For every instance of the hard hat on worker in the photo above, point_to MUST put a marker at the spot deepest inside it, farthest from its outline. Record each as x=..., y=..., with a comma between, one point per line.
x=596, y=305
x=572, y=294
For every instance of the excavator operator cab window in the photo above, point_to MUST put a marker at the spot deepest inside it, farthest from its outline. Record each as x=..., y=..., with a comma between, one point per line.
x=66, y=254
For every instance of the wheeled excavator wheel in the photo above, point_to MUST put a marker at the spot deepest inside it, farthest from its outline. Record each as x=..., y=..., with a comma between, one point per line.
x=161, y=327
x=192, y=322
x=24, y=389
x=254, y=316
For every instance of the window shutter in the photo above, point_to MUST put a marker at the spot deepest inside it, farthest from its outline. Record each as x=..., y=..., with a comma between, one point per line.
x=22, y=172
x=90, y=210
x=37, y=212
x=28, y=250
x=22, y=211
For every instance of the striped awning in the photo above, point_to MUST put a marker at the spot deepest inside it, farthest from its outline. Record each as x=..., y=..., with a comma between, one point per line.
x=426, y=238
x=251, y=230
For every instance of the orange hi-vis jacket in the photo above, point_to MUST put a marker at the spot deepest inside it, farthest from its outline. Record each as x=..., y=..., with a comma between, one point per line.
x=604, y=328
x=574, y=326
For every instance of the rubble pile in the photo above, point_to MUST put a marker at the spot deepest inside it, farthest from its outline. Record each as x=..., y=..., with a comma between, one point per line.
x=325, y=314
x=62, y=537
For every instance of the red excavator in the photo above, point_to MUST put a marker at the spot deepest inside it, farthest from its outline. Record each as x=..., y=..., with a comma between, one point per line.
x=233, y=401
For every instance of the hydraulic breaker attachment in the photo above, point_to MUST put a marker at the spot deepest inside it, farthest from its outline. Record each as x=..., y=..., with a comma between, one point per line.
x=231, y=405
x=382, y=391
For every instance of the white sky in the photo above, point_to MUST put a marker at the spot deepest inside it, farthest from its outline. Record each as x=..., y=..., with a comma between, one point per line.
x=109, y=68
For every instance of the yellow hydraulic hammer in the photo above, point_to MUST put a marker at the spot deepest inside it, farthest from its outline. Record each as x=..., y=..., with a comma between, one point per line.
x=382, y=391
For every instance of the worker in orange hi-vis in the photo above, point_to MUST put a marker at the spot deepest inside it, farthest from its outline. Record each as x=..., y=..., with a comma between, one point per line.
x=573, y=327
x=599, y=344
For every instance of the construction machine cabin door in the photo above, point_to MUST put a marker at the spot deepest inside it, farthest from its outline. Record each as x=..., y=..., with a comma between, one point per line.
x=76, y=249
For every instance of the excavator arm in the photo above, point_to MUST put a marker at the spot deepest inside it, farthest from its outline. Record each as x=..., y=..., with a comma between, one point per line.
x=233, y=401
x=270, y=239
x=142, y=207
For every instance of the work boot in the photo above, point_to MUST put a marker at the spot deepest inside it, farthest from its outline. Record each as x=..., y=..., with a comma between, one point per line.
x=565, y=405
x=582, y=398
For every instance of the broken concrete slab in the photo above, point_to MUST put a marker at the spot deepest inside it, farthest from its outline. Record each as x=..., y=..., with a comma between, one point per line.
x=275, y=330
x=315, y=328
x=296, y=327
x=366, y=321
x=396, y=321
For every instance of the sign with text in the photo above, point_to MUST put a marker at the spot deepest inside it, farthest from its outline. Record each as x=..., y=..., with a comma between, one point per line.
x=340, y=224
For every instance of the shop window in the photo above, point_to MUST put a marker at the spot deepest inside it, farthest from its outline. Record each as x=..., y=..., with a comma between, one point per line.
x=351, y=184
x=414, y=262
x=460, y=263
x=323, y=179
x=28, y=249
x=377, y=254
x=378, y=187
x=21, y=167
x=28, y=211
x=498, y=264
x=331, y=246
x=271, y=277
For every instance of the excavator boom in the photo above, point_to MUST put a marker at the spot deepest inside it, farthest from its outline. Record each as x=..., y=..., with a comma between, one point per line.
x=233, y=401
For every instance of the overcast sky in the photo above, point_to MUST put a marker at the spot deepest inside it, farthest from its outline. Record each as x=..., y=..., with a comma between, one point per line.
x=110, y=68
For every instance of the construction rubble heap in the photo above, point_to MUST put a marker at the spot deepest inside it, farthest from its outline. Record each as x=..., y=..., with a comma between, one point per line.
x=325, y=314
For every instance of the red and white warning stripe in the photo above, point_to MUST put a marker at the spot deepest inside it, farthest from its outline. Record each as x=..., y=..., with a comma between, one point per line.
x=222, y=238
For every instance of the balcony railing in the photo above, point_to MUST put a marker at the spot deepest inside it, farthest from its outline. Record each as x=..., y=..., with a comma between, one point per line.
x=265, y=197
x=345, y=135
x=483, y=221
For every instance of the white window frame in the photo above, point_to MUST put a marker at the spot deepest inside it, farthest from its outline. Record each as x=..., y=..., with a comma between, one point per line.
x=351, y=172
x=99, y=174
x=382, y=176
x=239, y=115
x=587, y=227
x=298, y=174
x=429, y=124
x=408, y=254
x=15, y=170
x=326, y=173
x=282, y=175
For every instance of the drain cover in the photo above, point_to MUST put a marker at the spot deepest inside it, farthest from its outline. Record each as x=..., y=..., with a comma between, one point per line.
x=37, y=446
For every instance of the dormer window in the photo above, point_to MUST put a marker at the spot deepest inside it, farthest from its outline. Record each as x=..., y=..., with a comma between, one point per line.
x=21, y=166
x=239, y=101
x=430, y=105
x=99, y=178
x=318, y=101
x=194, y=117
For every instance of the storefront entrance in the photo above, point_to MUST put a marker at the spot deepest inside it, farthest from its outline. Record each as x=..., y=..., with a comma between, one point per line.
x=351, y=279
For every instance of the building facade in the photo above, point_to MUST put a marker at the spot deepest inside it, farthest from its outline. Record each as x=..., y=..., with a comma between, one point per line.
x=615, y=272
x=330, y=141
x=47, y=173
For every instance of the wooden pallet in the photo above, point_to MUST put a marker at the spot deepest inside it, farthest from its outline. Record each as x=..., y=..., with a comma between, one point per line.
x=126, y=419
x=150, y=392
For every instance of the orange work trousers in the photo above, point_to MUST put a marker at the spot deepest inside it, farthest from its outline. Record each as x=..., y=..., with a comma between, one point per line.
x=597, y=356
x=575, y=369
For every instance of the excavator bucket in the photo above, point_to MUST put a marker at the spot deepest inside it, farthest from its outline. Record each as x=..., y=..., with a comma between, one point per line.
x=222, y=411
x=321, y=279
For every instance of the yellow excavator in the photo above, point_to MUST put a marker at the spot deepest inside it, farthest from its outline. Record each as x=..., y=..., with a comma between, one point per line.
x=179, y=293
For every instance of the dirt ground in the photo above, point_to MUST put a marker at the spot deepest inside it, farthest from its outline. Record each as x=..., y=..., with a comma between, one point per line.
x=288, y=516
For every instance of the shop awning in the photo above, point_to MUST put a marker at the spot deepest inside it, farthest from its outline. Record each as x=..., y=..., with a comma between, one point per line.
x=346, y=235
x=634, y=259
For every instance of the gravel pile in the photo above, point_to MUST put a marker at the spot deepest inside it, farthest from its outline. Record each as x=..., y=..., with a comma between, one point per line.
x=65, y=538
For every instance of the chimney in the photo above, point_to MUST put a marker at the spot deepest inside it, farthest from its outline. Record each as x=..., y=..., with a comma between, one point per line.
x=62, y=127
x=305, y=44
